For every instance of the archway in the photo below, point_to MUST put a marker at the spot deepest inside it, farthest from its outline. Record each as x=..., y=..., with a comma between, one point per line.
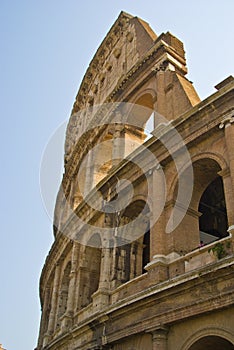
x=213, y=223
x=91, y=271
x=133, y=257
x=142, y=115
x=206, y=218
x=212, y=342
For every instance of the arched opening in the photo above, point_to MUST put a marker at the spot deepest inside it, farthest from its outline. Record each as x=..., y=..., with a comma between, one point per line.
x=146, y=250
x=91, y=270
x=141, y=116
x=212, y=342
x=205, y=217
x=63, y=293
x=132, y=258
x=213, y=223
x=144, y=112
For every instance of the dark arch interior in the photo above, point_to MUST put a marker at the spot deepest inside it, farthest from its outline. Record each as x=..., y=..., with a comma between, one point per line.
x=139, y=207
x=212, y=343
x=146, y=250
x=213, y=223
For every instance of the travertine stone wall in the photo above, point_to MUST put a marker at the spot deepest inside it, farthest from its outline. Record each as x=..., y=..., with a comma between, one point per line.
x=159, y=290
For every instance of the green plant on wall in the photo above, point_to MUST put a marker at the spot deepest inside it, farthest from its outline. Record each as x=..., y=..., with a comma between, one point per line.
x=219, y=250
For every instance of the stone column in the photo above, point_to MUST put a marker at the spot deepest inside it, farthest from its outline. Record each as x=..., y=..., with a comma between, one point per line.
x=228, y=125
x=118, y=144
x=101, y=296
x=44, y=317
x=89, y=175
x=158, y=193
x=229, y=198
x=67, y=320
x=159, y=338
x=157, y=267
x=161, y=96
x=54, y=300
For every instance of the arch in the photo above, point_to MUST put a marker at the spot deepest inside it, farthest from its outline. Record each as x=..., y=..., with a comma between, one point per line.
x=213, y=222
x=63, y=292
x=131, y=258
x=142, y=92
x=212, y=342
x=90, y=273
x=141, y=109
x=209, y=334
x=205, y=155
x=215, y=156
x=191, y=230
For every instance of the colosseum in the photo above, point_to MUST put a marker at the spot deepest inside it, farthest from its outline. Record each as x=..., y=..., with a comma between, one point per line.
x=143, y=246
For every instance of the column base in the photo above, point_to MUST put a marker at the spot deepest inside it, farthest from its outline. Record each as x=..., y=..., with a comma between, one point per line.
x=101, y=298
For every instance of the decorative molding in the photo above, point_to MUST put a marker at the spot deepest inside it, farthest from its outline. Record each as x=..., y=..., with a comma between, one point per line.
x=227, y=121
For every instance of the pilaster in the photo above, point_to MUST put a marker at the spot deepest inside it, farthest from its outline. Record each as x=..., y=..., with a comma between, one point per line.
x=159, y=338
x=54, y=299
x=228, y=125
x=101, y=296
x=158, y=193
x=67, y=319
x=118, y=144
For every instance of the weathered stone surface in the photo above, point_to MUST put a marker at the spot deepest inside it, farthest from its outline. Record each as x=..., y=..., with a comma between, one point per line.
x=158, y=289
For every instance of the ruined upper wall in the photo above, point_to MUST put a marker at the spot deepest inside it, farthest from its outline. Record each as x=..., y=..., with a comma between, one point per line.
x=129, y=45
x=125, y=44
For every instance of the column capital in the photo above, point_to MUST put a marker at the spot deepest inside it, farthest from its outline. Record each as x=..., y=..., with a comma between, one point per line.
x=227, y=120
x=159, y=330
x=159, y=336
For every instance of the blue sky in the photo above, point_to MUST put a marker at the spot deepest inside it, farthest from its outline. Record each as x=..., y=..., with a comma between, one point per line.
x=45, y=49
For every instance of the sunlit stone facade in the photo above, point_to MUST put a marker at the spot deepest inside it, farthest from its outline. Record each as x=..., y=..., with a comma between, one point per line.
x=138, y=277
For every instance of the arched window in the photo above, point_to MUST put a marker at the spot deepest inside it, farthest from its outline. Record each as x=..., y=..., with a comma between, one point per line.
x=142, y=116
x=205, y=219
x=133, y=257
x=91, y=271
x=213, y=222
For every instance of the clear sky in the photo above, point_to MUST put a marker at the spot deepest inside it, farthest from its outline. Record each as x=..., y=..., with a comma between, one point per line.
x=46, y=47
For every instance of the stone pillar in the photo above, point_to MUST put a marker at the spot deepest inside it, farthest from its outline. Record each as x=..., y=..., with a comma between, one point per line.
x=228, y=125
x=157, y=231
x=54, y=299
x=229, y=198
x=67, y=320
x=161, y=96
x=44, y=316
x=118, y=144
x=157, y=268
x=80, y=277
x=101, y=296
x=89, y=175
x=159, y=338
